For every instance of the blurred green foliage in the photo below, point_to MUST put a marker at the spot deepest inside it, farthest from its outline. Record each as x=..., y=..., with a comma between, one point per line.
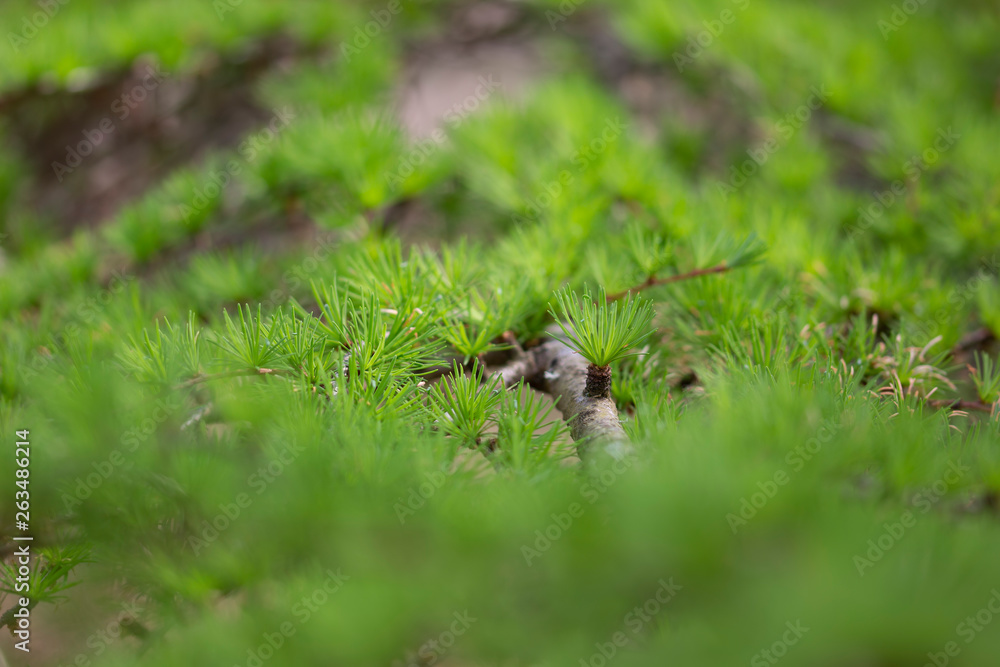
x=237, y=418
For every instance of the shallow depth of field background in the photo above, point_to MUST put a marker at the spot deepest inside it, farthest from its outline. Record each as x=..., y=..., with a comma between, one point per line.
x=817, y=454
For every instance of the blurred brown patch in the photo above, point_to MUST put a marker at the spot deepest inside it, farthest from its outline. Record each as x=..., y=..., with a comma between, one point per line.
x=109, y=137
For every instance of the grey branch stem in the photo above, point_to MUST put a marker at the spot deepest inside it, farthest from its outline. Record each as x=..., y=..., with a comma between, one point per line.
x=559, y=371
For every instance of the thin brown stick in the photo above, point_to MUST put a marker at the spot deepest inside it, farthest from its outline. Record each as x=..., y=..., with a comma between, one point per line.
x=653, y=281
x=975, y=339
x=960, y=405
x=244, y=372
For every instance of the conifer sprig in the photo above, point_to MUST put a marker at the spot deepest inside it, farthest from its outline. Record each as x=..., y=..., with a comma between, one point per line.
x=463, y=404
x=523, y=441
x=167, y=353
x=251, y=340
x=602, y=332
x=405, y=334
x=657, y=254
x=986, y=377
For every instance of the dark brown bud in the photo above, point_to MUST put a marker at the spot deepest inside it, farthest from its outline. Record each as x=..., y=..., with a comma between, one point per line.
x=598, y=382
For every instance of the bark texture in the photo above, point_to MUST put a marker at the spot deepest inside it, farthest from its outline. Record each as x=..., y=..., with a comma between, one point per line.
x=559, y=371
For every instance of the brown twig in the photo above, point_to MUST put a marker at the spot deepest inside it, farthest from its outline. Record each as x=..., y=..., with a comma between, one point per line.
x=244, y=372
x=958, y=404
x=653, y=281
x=974, y=339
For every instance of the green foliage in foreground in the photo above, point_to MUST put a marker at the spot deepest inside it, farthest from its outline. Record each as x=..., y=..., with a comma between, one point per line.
x=292, y=453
